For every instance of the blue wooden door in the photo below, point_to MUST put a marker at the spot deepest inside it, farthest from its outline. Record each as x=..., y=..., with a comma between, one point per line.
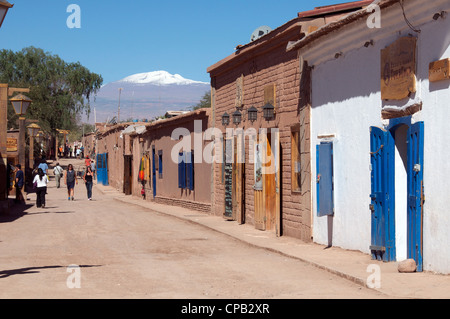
x=99, y=169
x=154, y=171
x=382, y=205
x=324, y=160
x=105, y=161
x=102, y=168
x=415, y=193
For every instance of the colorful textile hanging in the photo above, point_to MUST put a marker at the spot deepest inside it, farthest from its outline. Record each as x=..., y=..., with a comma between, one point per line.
x=141, y=175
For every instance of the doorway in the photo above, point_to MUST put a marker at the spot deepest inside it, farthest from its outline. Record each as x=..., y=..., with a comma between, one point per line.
x=397, y=192
x=128, y=174
x=267, y=183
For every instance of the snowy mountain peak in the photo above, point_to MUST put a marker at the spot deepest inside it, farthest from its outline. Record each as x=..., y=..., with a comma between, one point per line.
x=159, y=78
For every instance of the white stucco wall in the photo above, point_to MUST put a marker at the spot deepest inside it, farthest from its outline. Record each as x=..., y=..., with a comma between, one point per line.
x=346, y=101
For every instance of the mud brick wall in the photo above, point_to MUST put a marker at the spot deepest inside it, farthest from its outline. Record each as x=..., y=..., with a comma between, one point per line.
x=267, y=64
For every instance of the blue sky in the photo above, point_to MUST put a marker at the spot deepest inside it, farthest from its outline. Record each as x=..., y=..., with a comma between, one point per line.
x=120, y=38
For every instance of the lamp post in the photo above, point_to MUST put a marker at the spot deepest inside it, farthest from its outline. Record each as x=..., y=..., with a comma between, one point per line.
x=4, y=7
x=5, y=92
x=33, y=130
x=20, y=104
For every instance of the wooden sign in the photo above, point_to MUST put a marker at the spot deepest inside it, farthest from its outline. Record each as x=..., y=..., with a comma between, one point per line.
x=228, y=166
x=239, y=91
x=270, y=94
x=439, y=70
x=398, y=69
x=11, y=144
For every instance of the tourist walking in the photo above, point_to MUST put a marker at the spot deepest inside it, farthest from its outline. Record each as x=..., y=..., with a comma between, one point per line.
x=71, y=180
x=88, y=179
x=58, y=171
x=43, y=165
x=19, y=184
x=41, y=181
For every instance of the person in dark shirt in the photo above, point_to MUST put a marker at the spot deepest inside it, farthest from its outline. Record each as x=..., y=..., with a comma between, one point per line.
x=19, y=184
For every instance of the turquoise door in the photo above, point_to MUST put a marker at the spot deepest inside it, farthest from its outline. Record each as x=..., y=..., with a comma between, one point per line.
x=415, y=193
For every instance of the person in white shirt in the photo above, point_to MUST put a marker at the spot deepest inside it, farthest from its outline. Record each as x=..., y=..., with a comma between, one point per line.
x=58, y=171
x=41, y=181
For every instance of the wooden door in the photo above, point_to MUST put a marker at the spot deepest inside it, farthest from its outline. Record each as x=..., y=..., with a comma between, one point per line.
x=238, y=179
x=128, y=174
x=382, y=205
x=269, y=184
x=260, y=217
x=415, y=193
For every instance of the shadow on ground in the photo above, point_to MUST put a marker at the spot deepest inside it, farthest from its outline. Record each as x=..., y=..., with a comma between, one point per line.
x=34, y=270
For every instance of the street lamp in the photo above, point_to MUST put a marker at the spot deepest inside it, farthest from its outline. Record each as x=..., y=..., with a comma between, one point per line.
x=4, y=6
x=33, y=130
x=252, y=114
x=21, y=103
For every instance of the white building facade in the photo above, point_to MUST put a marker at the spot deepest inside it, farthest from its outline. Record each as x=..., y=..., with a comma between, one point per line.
x=380, y=108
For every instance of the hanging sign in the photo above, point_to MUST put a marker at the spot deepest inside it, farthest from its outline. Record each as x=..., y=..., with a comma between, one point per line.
x=439, y=70
x=398, y=69
x=11, y=144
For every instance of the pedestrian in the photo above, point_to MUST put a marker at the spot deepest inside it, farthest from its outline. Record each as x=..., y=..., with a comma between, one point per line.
x=19, y=184
x=93, y=168
x=43, y=165
x=88, y=176
x=87, y=161
x=71, y=180
x=41, y=181
x=58, y=171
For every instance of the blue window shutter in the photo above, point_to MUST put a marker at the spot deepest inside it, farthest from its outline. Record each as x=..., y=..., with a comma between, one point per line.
x=181, y=173
x=190, y=170
x=324, y=158
x=160, y=163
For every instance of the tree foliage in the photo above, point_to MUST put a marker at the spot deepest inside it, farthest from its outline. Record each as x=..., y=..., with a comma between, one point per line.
x=60, y=91
x=205, y=102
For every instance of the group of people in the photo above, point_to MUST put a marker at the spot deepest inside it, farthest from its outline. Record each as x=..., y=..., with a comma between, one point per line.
x=41, y=180
x=68, y=151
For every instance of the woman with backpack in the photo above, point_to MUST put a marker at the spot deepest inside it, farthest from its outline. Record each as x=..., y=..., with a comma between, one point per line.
x=70, y=181
x=41, y=181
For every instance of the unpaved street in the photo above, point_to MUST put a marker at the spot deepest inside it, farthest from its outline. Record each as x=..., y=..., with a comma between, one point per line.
x=124, y=251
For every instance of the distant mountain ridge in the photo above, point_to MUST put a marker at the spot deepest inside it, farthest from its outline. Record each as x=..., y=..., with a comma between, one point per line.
x=159, y=78
x=145, y=96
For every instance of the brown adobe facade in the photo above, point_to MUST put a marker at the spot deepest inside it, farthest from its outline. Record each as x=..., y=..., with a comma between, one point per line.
x=258, y=73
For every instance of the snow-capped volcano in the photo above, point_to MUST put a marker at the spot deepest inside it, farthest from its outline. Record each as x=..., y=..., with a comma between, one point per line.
x=146, y=95
x=159, y=78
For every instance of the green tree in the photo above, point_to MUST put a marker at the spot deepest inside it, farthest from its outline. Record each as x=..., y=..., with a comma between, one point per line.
x=60, y=91
x=205, y=102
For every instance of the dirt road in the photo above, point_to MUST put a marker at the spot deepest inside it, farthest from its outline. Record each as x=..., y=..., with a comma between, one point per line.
x=108, y=249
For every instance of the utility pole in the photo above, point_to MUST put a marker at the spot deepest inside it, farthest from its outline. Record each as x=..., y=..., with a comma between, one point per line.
x=118, y=112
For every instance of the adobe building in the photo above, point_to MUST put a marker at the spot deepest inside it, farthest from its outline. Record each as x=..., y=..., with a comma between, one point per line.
x=379, y=120
x=110, y=159
x=265, y=92
x=169, y=153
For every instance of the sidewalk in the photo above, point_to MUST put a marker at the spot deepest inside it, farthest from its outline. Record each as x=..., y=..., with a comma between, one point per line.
x=352, y=265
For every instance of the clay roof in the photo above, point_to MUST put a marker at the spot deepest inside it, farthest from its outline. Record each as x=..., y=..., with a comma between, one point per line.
x=334, y=8
x=302, y=21
x=336, y=25
x=6, y=3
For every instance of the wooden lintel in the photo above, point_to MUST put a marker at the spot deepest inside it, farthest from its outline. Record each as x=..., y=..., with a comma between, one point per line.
x=393, y=113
